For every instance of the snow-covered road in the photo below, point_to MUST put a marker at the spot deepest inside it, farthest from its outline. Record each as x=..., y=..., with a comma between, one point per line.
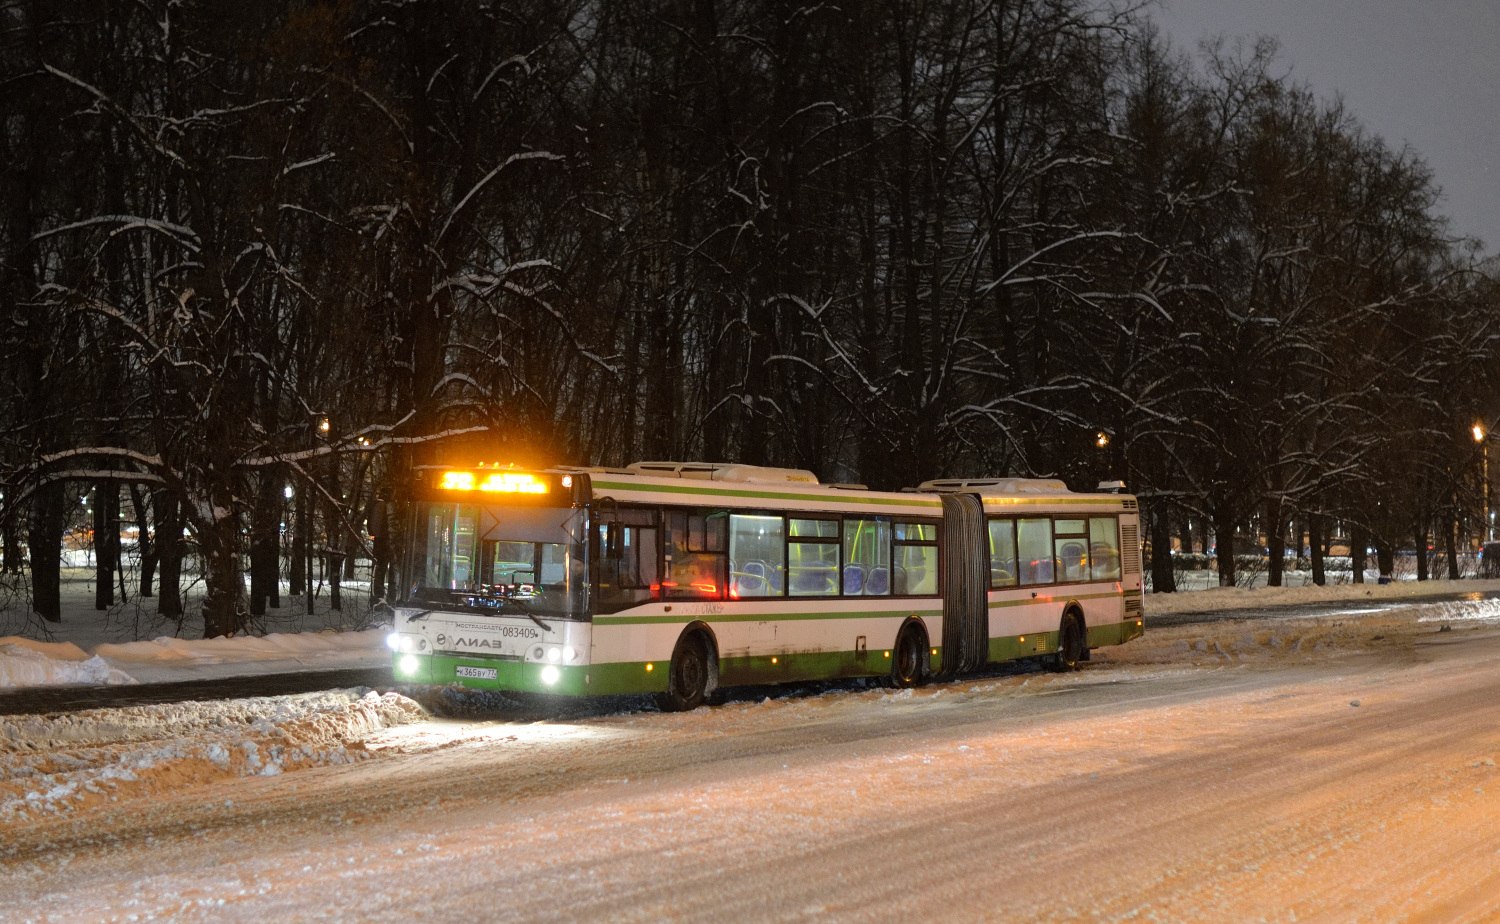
x=1338, y=769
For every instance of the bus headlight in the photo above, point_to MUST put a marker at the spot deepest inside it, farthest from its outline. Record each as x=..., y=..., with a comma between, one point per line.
x=408, y=664
x=554, y=654
x=570, y=653
x=407, y=645
x=549, y=674
x=393, y=641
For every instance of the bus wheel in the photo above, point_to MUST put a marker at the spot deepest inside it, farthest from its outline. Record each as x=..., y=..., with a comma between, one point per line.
x=687, y=681
x=1069, y=644
x=908, y=660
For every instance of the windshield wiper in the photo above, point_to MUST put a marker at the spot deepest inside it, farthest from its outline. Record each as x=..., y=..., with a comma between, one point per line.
x=529, y=614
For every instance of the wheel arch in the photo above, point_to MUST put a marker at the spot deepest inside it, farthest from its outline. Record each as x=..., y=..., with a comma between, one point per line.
x=702, y=629
x=921, y=624
x=1076, y=608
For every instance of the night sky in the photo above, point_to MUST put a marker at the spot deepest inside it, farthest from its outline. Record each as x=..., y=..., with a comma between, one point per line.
x=1419, y=72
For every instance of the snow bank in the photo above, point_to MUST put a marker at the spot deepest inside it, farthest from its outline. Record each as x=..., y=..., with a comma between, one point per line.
x=67, y=762
x=24, y=663
x=276, y=646
x=1239, y=598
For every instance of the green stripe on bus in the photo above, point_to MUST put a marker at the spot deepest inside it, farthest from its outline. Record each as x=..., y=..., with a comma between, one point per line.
x=1050, y=501
x=851, y=498
x=685, y=618
x=1059, y=598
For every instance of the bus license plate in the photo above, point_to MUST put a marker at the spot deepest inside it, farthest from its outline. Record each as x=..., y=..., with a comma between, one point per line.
x=477, y=673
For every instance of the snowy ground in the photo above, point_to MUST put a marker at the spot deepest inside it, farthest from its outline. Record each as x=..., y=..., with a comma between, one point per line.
x=130, y=643
x=1240, y=598
x=1334, y=769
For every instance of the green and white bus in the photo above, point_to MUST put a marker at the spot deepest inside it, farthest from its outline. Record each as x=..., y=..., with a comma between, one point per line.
x=679, y=578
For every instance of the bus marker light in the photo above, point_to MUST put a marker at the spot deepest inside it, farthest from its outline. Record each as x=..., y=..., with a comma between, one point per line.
x=549, y=675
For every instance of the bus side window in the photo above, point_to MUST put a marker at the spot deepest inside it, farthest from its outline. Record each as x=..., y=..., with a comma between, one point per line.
x=1104, y=548
x=867, y=558
x=914, y=571
x=1072, y=553
x=757, y=555
x=812, y=558
x=1034, y=547
x=1002, y=552
x=694, y=560
x=629, y=576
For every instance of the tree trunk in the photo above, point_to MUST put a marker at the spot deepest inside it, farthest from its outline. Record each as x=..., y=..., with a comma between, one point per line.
x=44, y=539
x=1163, y=581
x=13, y=557
x=1315, y=547
x=170, y=548
x=380, y=551
x=307, y=556
x=265, y=544
x=1421, y=537
x=299, y=560
x=335, y=579
x=1450, y=545
x=1275, y=545
x=1187, y=536
x=1385, y=559
x=106, y=542
x=1224, y=541
x=225, y=607
x=1357, y=546
x=145, y=544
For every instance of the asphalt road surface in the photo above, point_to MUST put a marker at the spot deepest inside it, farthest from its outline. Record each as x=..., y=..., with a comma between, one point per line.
x=1324, y=769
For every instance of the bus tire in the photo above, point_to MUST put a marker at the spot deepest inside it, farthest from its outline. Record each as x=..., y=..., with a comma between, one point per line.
x=909, y=657
x=1070, y=644
x=688, y=677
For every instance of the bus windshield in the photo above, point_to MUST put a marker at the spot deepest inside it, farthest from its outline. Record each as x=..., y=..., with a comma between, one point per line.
x=492, y=558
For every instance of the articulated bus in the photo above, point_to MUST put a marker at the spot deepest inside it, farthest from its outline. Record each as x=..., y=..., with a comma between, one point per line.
x=680, y=578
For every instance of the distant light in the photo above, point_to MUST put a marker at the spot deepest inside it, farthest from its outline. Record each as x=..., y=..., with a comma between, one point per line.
x=650, y=667
x=773, y=660
x=1101, y=439
x=567, y=482
x=287, y=491
x=323, y=425
x=1478, y=431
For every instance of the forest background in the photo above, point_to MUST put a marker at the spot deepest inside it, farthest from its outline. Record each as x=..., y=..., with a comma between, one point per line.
x=256, y=258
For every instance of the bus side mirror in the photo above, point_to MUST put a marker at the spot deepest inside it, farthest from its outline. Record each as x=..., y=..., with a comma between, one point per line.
x=613, y=545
